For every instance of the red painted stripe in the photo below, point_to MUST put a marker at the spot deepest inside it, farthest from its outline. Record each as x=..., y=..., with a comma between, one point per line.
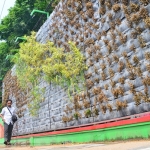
x=145, y=118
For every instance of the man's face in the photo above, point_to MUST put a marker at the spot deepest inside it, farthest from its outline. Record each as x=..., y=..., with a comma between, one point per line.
x=9, y=103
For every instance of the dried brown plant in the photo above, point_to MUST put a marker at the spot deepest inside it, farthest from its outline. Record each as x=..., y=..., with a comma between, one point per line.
x=109, y=107
x=125, y=2
x=106, y=41
x=138, y=71
x=89, y=83
x=103, y=76
x=86, y=103
x=89, y=5
x=116, y=7
x=88, y=75
x=103, y=66
x=133, y=48
x=118, y=21
x=126, y=10
x=98, y=36
x=111, y=72
x=109, y=48
x=143, y=13
x=96, y=80
x=122, y=80
x=147, y=22
x=148, y=67
x=95, y=70
x=102, y=10
x=96, y=90
x=121, y=66
x=147, y=80
x=103, y=33
x=147, y=55
x=102, y=2
x=110, y=16
x=135, y=18
x=103, y=108
x=118, y=91
x=106, y=86
x=142, y=42
x=108, y=4
x=120, y=105
x=137, y=98
x=65, y=119
x=112, y=25
x=145, y=2
x=136, y=59
x=132, y=88
x=134, y=7
x=116, y=58
x=134, y=34
x=112, y=83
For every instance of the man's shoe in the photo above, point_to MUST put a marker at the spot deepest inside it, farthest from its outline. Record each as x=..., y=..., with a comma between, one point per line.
x=5, y=142
x=8, y=143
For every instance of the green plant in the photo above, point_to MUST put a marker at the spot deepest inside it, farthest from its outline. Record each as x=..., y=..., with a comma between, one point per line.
x=77, y=115
x=87, y=113
x=57, y=65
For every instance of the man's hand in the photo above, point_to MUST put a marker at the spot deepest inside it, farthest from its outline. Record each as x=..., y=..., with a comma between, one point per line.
x=3, y=120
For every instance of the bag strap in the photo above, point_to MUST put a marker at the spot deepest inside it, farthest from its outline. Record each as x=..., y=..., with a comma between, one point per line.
x=9, y=111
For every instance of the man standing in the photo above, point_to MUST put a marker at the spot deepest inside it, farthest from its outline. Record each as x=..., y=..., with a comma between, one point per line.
x=6, y=116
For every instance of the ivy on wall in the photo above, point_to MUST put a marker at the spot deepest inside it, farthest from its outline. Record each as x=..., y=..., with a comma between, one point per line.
x=35, y=61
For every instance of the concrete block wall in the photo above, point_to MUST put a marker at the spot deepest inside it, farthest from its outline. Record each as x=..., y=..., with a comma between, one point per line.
x=68, y=22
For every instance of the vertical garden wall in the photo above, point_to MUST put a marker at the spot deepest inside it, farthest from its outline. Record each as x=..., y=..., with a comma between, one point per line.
x=114, y=36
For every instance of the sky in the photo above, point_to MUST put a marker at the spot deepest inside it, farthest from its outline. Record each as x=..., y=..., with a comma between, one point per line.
x=8, y=4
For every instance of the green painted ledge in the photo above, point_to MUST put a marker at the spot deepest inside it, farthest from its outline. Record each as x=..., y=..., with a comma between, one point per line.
x=132, y=131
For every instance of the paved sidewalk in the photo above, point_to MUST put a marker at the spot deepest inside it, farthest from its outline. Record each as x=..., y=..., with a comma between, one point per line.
x=129, y=145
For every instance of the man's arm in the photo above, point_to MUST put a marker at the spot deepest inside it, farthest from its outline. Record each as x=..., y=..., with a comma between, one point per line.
x=2, y=115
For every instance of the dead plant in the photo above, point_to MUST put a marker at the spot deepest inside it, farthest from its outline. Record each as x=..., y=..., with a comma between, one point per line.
x=143, y=13
x=142, y=42
x=133, y=48
x=116, y=7
x=106, y=86
x=103, y=66
x=111, y=72
x=96, y=90
x=122, y=80
x=148, y=67
x=103, y=108
x=135, y=18
x=109, y=107
x=112, y=83
x=147, y=55
x=147, y=22
x=137, y=99
x=144, y=2
x=136, y=59
x=134, y=7
x=102, y=10
x=86, y=103
x=108, y=4
x=103, y=76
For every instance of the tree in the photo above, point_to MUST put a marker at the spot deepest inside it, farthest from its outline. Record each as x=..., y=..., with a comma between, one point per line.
x=17, y=24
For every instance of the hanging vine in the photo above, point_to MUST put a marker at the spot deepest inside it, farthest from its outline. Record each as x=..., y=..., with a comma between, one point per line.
x=36, y=61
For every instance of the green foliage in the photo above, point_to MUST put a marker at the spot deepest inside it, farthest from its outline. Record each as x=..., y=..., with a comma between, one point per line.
x=88, y=113
x=16, y=24
x=53, y=64
x=77, y=115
